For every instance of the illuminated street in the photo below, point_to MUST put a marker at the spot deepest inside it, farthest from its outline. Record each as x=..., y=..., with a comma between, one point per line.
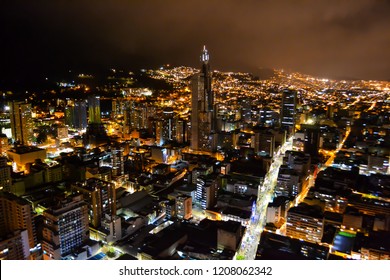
x=253, y=232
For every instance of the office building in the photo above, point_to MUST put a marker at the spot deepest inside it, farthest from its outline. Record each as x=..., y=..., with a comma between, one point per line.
x=21, y=122
x=159, y=133
x=166, y=128
x=288, y=110
x=76, y=114
x=94, y=109
x=312, y=139
x=96, y=133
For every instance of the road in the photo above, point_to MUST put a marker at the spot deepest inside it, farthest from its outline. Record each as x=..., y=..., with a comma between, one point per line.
x=251, y=238
x=330, y=160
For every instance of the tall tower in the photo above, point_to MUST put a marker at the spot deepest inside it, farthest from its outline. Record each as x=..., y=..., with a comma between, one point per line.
x=288, y=110
x=203, y=113
x=21, y=122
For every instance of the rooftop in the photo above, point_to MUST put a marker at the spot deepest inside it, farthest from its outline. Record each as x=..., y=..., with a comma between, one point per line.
x=25, y=149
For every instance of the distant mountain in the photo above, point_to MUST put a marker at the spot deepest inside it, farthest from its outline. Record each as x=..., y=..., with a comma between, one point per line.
x=262, y=73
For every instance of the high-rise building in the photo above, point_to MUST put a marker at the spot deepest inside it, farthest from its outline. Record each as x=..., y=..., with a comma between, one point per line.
x=169, y=123
x=21, y=122
x=181, y=130
x=65, y=227
x=312, y=139
x=100, y=197
x=16, y=215
x=76, y=114
x=96, y=134
x=203, y=119
x=118, y=107
x=159, y=133
x=94, y=109
x=288, y=110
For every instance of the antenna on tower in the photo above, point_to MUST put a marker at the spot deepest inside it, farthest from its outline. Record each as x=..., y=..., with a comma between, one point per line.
x=205, y=55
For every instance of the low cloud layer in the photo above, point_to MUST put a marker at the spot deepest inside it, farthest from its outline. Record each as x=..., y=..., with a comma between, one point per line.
x=324, y=38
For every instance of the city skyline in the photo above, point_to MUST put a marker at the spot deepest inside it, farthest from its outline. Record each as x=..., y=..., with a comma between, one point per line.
x=337, y=39
x=221, y=159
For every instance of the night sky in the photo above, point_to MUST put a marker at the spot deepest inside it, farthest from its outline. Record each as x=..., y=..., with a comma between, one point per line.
x=335, y=39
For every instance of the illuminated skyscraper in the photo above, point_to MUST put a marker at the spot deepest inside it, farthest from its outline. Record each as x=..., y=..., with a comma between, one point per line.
x=96, y=134
x=166, y=127
x=203, y=113
x=288, y=110
x=21, y=122
x=94, y=109
x=76, y=115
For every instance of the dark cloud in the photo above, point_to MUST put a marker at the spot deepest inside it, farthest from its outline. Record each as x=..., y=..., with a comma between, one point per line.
x=325, y=38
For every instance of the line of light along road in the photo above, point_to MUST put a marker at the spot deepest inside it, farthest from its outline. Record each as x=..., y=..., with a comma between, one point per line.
x=251, y=238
